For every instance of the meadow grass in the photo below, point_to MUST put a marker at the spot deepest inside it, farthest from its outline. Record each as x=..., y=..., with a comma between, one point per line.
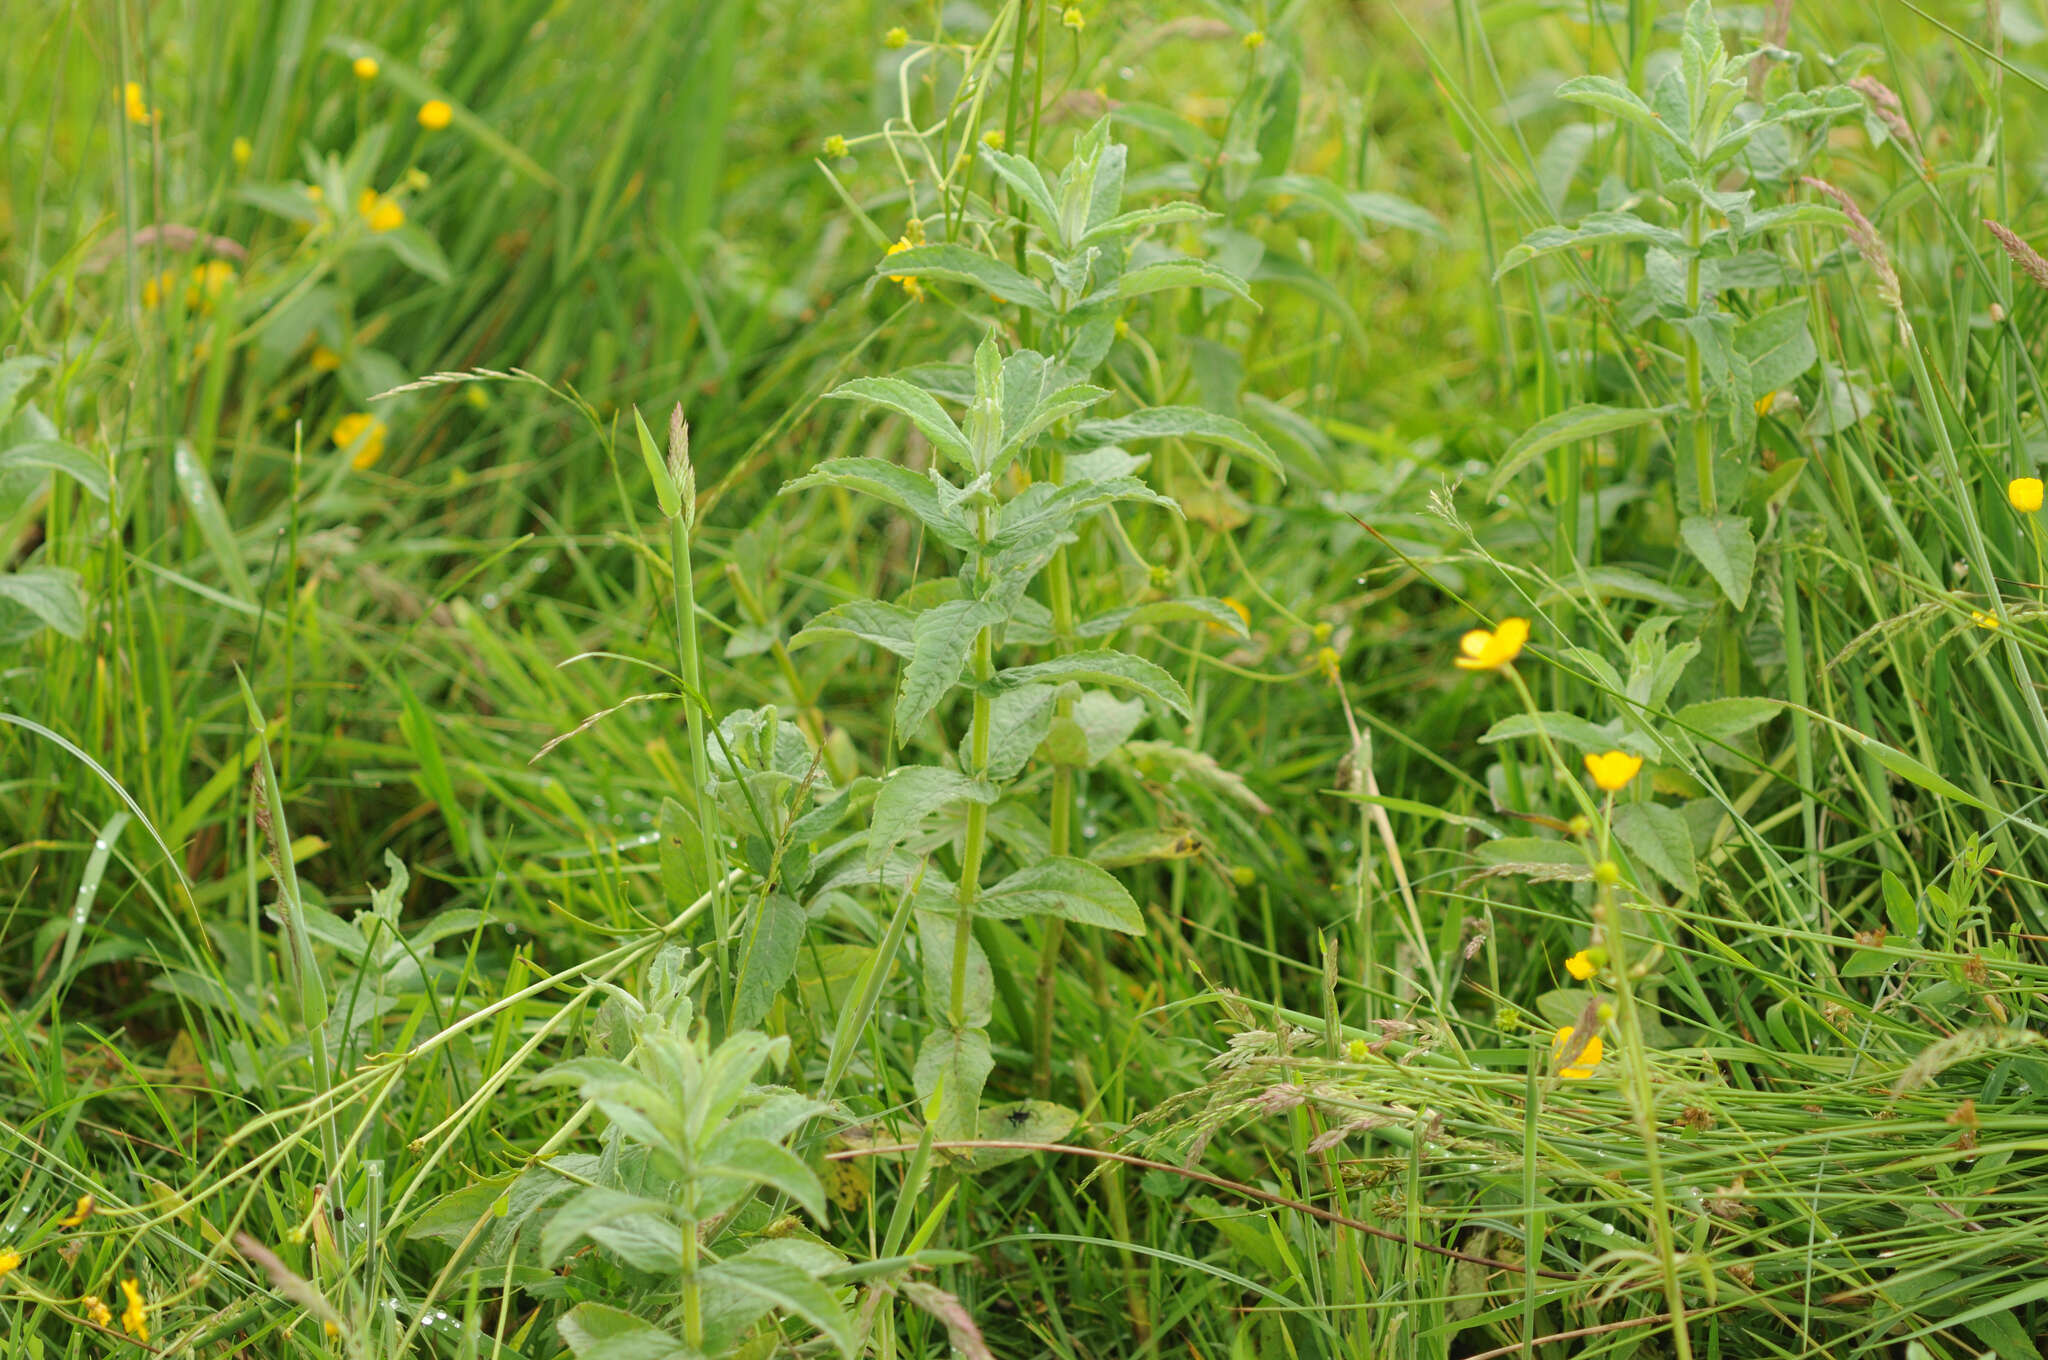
x=493, y=870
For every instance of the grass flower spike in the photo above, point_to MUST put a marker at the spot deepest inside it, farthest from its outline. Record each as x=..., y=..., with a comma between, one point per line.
x=1612, y=770
x=436, y=114
x=2025, y=494
x=1581, y=1066
x=1480, y=650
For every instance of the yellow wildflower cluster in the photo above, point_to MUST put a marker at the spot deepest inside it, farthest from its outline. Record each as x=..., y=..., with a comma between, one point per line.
x=135, y=106
x=204, y=287
x=361, y=436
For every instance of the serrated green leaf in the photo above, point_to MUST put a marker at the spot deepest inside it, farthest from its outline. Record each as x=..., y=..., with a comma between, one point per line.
x=1125, y=224
x=1594, y=229
x=1183, y=422
x=1724, y=546
x=913, y=793
x=1723, y=720
x=759, y=1161
x=915, y=404
x=953, y=1066
x=1660, y=837
x=1018, y=719
x=1186, y=272
x=1024, y=177
x=55, y=595
x=958, y=264
x=937, y=929
x=1117, y=670
x=54, y=455
x=788, y=1289
x=596, y=1331
x=885, y=625
x=1580, y=422
x=909, y=492
x=1071, y=889
x=1567, y=729
x=768, y=947
x=1612, y=97
x=942, y=639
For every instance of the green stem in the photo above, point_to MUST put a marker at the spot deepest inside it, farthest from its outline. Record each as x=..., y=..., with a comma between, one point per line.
x=977, y=813
x=693, y=1300
x=1060, y=596
x=1695, y=395
x=690, y=664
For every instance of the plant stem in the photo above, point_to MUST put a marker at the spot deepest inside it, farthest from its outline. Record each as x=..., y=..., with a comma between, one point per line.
x=977, y=813
x=690, y=664
x=1695, y=395
x=1060, y=596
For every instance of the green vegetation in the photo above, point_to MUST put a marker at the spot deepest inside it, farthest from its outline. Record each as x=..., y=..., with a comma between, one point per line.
x=703, y=679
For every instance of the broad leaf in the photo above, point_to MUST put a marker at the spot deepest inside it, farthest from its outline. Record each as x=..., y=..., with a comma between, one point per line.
x=54, y=455
x=958, y=264
x=1660, y=837
x=1071, y=889
x=1580, y=422
x=1184, y=422
x=942, y=640
x=898, y=486
x=55, y=595
x=768, y=947
x=788, y=1289
x=1117, y=670
x=596, y=1331
x=1612, y=97
x=918, y=405
x=885, y=625
x=913, y=793
x=1186, y=272
x=1595, y=229
x=952, y=1065
x=1725, y=548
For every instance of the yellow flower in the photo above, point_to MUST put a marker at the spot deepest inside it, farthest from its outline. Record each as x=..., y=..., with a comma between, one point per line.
x=242, y=151
x=10, y=1261
x=1255, y=39
x=896, y=37
x=910, y=285
x=1236, y=607
x=435, y=114
x=381, y=211
x=134, y=1317
x=2025, y=494
x=366, y=68
x=316, y=193
x=1484, y=651
x=132, y=103
x=78, y=1215
x=1764, y=404
x=1612, y=770
x=157, y=289
x=101, y=1315
x=1581, y=965
x=1357, y=1050
x=1326, y=662
x=1123, y=329
x=1983, y=620
x=1073, y=18
x=362, y=436
x=323, y=360
x=1583, y=1065
x=835, y=146
x=993, y=139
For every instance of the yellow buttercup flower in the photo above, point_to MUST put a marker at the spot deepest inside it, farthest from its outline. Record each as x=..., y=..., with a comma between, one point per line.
x=101, y=1315
x=993, y=139
x=896, y=37
x=134, y=1317
x=362, y=437
x=1073, y=18
x=135, y=106
x=1481, y=650
x=835, y=146
x=1255, y=39
x=1983, y=620
x=1581, y=965
x=2025, y=494
x=366, y=68
x=323, y=360
x=381, y=211
x=436, y=114
x=78, y=1215
x=1583, y=1065
x=242, y=151
x=1612, y=770
x=910, y=285
x=10, y=1261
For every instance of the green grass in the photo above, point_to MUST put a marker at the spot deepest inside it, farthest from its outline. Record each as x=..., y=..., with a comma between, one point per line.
x=405, y=920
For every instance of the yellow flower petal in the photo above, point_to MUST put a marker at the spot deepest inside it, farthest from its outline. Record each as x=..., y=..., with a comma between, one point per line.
x=2025, y=494
x=436, y=114
x=366, y=68
x=362, y=437
x=1581, y=966
x=1489, y=651
x=1612, y=770
x=1583, y=1065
